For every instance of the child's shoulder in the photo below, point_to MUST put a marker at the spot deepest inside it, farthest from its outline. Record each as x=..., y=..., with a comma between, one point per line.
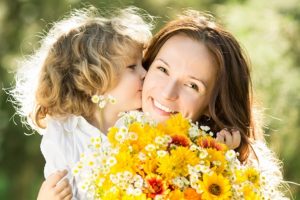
x=66, y=124
x=69, y=126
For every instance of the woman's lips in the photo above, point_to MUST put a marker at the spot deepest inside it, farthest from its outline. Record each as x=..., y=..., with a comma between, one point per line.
x=161, y=109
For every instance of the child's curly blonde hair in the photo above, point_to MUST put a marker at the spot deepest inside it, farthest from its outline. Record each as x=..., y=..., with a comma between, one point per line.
x=80, y=56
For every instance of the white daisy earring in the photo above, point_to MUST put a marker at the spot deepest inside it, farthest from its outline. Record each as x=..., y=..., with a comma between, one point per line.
x=102, y=100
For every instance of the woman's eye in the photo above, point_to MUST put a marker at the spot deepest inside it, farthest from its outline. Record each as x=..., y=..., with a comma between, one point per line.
x=164, y=70
x=193, y=86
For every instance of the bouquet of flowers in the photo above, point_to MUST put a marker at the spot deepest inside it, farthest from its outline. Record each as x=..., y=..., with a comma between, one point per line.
x=171, y=160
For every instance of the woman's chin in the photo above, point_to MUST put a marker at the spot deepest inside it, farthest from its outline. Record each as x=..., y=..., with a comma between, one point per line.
x=158, y=117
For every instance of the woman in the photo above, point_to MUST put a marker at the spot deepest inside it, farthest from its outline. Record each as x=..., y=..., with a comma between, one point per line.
x=197, y=68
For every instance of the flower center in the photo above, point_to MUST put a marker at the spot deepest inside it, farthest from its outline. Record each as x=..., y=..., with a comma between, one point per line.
x=253, y=178
x=215, y=189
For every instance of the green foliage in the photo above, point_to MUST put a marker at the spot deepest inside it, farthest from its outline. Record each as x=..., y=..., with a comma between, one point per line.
x=267, y=30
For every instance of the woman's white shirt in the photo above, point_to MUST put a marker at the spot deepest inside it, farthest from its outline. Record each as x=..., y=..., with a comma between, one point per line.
x=64, y=140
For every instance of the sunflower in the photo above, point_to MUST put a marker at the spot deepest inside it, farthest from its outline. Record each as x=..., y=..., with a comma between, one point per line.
x=215, y=187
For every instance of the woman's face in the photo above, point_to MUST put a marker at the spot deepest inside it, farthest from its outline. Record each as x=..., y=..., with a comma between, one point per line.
x=180, y=79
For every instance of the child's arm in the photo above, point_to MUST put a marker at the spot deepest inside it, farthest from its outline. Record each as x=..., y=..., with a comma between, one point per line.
x=54, y=188
x=231, y=139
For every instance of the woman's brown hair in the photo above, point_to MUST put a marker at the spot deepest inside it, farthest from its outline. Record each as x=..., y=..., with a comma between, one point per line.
x=230, y=103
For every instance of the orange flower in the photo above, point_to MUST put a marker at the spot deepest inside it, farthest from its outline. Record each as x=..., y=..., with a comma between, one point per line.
x=176, y=195
x=180, y=140
x=155, y=185
x=209, y=142
x=191, y=194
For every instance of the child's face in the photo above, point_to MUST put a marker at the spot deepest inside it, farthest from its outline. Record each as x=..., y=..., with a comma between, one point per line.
x=180, y=79
x=128, y=91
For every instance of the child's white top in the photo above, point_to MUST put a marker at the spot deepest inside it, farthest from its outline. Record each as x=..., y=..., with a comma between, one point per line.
x=63, y=141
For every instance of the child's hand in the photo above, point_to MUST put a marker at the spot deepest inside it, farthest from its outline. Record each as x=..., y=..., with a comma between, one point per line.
x=52, y=190
x=231, y=139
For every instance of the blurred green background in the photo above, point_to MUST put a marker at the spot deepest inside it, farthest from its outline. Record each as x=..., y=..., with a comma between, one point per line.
x=269, y=30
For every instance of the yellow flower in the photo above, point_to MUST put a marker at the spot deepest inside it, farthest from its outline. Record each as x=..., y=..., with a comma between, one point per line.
x=112, y=195
x=215, y=187
x=249, y=174
x=134, y=197
x=250, y=194
x=176, y=164
x=111, y=135
x=149, y=165
x=125, y=161
x=136, y=128
x=252, y=176
x=145, y=135
x=217, y=160
x=176, y=124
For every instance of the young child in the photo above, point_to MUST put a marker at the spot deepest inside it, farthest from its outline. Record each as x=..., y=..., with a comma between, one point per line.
x=81, y=56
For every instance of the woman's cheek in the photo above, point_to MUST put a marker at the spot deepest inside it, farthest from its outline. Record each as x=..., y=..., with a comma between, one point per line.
x=190, y=104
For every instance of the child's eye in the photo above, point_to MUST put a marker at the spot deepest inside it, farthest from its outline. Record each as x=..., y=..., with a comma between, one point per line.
x=164, y=70
x=132, y=67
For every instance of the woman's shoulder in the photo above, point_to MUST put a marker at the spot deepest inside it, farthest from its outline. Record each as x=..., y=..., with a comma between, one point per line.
x=270, y=167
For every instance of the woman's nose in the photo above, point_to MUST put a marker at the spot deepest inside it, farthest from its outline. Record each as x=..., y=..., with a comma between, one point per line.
x=170, y=91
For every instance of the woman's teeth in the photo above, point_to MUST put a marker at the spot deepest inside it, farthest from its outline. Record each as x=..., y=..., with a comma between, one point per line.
x=164, y=108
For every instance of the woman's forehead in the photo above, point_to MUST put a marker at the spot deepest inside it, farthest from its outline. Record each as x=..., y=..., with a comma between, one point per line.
x=186, y=54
